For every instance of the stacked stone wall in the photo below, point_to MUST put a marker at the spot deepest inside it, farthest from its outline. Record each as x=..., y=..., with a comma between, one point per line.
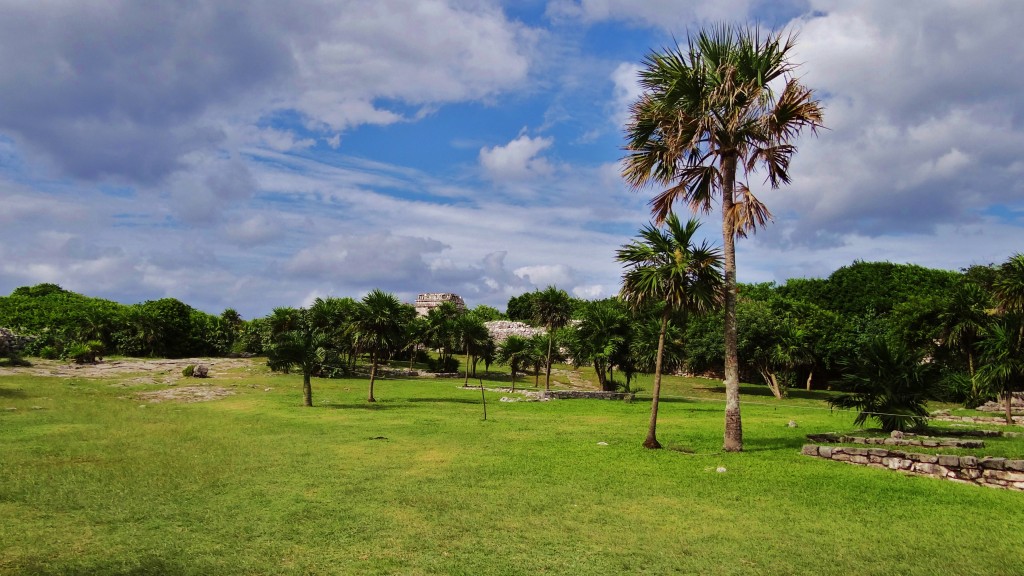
x=992, y=472
x=907, y=440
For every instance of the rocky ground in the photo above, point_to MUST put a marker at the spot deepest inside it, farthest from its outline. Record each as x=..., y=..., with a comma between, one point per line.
x=142, y=371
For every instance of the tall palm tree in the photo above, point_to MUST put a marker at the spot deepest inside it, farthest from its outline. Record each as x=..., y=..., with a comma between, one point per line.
x=552, y=308
x=379, y=328
x=1003, y=346
x=963, y=321
x=707, y=111
x=666, y=266
x=1003, y=354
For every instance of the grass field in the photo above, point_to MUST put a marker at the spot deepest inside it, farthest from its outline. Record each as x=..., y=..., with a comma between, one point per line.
x=94, y=480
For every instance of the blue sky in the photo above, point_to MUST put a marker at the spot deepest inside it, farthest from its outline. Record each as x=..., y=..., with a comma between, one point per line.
x=261, y=154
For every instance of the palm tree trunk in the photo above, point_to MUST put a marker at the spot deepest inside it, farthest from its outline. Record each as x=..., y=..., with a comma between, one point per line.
x=307, y=388
x=1009, y=406
x=373, y=376
x=733, y=423
x=547, y=375
x=809, y=376
x=513, y=378
x=652, y=440
x=483, y=398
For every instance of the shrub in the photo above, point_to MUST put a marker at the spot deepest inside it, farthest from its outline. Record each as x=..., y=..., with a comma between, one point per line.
x=80, y=352
x=888, y=382
x=188, y=371
x=49, y=353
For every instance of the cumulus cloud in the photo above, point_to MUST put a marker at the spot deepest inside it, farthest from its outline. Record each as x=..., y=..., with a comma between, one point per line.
x=517, y=160
x=626, y=91
x=127, y=91
x=918, y=134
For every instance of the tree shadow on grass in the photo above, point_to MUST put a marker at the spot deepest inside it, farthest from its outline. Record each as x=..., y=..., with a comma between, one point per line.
x=773, y=444
x=791, y=393
x=12, y=393
x=446, y=400
x=369, y=406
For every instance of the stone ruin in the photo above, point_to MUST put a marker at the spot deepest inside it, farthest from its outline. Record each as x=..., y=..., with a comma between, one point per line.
x=500, y=330
x=427, y=302
x=987, y=471
x=1016, y=404
x=12, y=344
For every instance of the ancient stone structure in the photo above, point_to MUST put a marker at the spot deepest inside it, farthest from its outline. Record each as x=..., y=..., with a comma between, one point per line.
x=12, y=344
x=427, y=302
x=993, y=472
x=502, y=329
x=1016, y=404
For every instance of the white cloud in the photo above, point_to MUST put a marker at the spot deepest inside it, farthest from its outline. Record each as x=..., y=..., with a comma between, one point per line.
x=668, y=14
x=626, y=91
x=517, y=160
x=547, y=274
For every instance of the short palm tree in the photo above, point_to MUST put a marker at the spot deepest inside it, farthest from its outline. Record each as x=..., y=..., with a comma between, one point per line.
x=514, y=352
x=665, y=266
x=552, y=308
x=379, y=328
x=888, y=382
x=706, y=112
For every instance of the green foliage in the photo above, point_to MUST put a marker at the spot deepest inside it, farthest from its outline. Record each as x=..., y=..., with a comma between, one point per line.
x=446, y=365
x=871, y=287
x=599, y=337
x=520, y=308
x=49, y=353
x=486, y=313
x=1002, y=370
x=889, y=383
x=188, y=371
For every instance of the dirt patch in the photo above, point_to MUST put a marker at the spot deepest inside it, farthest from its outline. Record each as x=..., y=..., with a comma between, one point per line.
x=186, y=394
x=148, y=371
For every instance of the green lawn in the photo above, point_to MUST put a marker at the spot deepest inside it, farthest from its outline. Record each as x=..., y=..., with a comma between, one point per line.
x=92, y=482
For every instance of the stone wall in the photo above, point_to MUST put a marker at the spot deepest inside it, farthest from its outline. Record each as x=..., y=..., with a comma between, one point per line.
x=944, y=416
x=430, y=300
x=993, y=472
x=907, y=440
x=502, y=329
